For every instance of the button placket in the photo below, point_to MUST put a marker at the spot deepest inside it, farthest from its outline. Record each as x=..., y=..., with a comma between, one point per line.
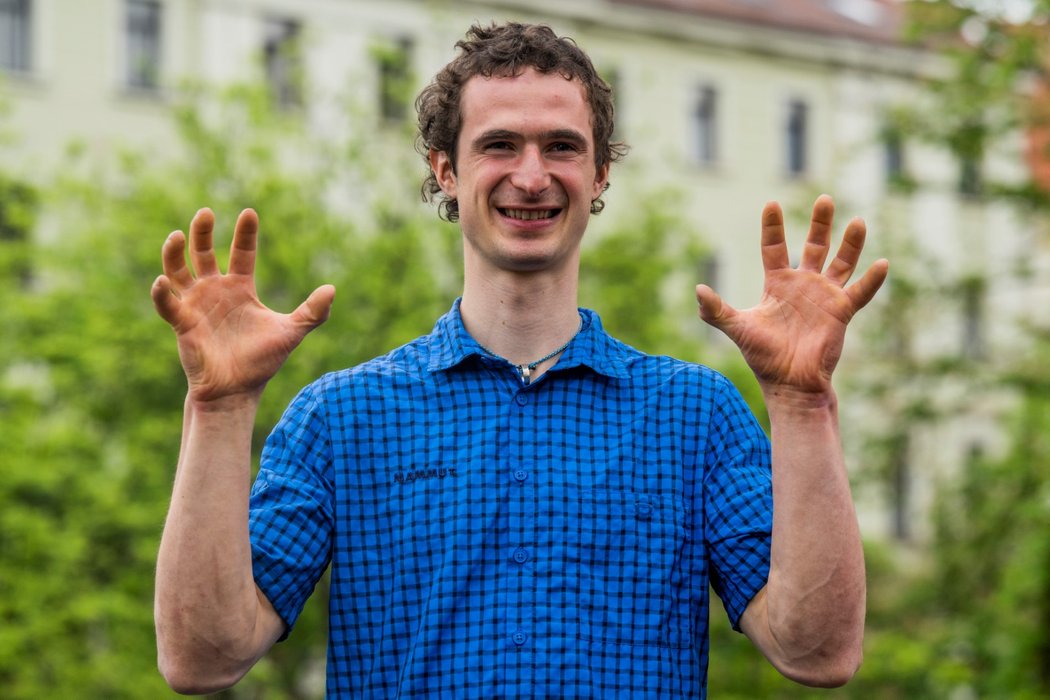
x=521, y=513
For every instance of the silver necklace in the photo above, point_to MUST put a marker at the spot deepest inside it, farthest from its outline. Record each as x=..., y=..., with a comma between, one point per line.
x=525, y=370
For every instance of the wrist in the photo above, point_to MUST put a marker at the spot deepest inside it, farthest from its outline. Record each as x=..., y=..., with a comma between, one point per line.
x=232, y=403
x=779, y=397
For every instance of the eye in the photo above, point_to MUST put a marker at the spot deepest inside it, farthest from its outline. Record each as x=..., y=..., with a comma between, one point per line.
x=499, y=146
x=563, y=147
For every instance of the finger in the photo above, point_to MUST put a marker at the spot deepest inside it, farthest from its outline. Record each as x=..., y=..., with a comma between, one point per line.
x=818, y=241
x=863, y=290
x=316, y=309
x=713, y=310
x=245, y=237
x=774, y=247
x=202, y=254
x=173, y=260
x=164, y=299
x=845, y=262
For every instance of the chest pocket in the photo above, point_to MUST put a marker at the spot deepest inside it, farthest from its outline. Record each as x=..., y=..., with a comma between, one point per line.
x=634, y=586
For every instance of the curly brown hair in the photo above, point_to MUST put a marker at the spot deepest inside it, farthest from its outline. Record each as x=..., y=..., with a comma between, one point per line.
x=507, y=50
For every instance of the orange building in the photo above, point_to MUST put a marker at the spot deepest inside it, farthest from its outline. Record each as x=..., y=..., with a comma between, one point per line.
x=1037, y=151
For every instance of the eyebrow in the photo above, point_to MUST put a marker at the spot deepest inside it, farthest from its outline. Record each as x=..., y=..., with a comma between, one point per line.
x=570, y=135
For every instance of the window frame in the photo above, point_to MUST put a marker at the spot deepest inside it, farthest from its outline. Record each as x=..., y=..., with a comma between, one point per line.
x=17, y=25
x=143, y=45
x=283, y=60
x=394, y=69
x=797, y=127
x=706, y=125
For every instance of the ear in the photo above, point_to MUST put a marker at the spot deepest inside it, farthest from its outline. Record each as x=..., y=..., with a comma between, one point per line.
x=444, y=171
x=601, y=179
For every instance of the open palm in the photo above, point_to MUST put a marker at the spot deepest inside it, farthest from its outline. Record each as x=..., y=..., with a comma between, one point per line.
x=229, y=342
x=793, y=338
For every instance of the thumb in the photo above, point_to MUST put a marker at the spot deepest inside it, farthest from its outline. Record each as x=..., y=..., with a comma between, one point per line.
x=315, y=310
x=713, y=310
x=164, y=301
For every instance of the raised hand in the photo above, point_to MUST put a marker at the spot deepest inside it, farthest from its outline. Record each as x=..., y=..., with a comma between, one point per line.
x=793, y=338
x=230, y=344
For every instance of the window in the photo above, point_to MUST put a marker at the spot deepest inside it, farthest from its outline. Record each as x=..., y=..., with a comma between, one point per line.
x=893, y=155
x=15, y=26
x=797, y=137
x=970, y=180
x=395, y=80
x=143, y=44
x=895, y=162
x=967, y=142
x=973, y=322
x=705, y=120
x=283, y=61
x=900, y=487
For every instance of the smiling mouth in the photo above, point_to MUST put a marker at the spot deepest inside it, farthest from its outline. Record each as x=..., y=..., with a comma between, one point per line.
x=530, y=214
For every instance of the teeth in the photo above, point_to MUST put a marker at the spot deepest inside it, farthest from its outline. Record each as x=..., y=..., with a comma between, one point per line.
x=529, y=214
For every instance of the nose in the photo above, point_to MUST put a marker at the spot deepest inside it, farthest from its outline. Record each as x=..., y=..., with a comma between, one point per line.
x=530, y=172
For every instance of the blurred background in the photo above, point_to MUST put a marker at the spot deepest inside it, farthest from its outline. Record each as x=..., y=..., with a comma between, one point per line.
x=931, y=119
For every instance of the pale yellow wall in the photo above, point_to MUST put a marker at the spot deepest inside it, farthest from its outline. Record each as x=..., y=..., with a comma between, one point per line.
x=75, y=92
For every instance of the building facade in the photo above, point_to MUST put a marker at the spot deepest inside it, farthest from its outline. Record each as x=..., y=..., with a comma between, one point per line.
x=727, y=103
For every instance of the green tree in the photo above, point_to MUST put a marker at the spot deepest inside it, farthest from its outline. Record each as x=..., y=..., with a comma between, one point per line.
x=91, y=388
x=90, y=394
x=992, y=548
x=995, y=54
x=968, y=616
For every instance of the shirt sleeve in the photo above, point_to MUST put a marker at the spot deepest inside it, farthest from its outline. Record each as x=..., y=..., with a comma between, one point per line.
x=738, y=501
x=290, y=510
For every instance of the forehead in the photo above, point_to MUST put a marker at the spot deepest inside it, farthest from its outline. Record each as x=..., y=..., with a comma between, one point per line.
x=529, y=101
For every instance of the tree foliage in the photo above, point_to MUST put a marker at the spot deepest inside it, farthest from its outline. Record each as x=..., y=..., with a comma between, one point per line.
x=997, y=58
x=90, y=401
x=973, y=615
x=91, y=388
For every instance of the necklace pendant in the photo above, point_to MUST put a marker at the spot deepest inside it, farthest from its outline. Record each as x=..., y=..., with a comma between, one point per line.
x=524, y=371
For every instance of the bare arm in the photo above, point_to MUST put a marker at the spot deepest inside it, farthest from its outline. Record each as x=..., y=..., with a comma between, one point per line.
x=212, y=621
x=809, y=618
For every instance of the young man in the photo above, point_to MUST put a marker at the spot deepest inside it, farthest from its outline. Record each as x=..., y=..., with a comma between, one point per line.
x=516, y=504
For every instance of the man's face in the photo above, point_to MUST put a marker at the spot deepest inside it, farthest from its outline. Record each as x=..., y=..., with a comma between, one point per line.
x=525, y=175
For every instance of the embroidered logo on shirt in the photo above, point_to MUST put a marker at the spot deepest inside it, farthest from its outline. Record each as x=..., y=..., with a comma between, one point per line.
x=417, y=474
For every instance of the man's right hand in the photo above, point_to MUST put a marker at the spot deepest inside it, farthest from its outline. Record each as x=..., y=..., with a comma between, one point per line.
x=230, y=344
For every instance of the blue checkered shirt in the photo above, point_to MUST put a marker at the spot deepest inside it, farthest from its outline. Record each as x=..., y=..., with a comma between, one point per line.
x=493, y=540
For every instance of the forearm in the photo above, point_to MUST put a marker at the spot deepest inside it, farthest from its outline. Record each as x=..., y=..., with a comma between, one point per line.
x=207, y=606
x=815, y=597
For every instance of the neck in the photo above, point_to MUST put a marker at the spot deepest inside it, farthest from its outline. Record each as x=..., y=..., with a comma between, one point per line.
x=520, y=318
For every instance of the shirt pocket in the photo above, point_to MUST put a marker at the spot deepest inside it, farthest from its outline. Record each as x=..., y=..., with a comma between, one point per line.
x=634, y=583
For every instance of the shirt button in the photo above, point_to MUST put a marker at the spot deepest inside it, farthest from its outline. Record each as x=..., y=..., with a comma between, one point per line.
x=521, y=399
x=521, y=555
x=643, y=510
x=520, y=475
x=519, y=637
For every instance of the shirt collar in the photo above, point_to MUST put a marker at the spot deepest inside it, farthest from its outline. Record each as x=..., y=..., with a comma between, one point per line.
x=451, y=344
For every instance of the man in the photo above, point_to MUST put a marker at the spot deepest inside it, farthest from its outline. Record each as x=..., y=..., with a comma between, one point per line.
x=516, y=504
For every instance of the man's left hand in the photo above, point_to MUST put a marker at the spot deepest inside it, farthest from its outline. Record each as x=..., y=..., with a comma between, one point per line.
x=793, y=338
